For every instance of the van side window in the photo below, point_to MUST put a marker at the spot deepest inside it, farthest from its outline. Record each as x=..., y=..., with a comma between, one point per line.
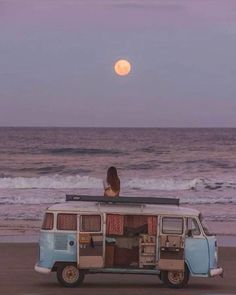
x=48, y=221
x=193, y=226
x=90, y=223
x=172, y=225
x=66, y=221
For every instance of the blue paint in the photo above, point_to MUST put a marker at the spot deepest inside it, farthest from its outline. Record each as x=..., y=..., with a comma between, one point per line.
x=212, y=248
x=49, y=255
x=197, y=255
x=199, y=252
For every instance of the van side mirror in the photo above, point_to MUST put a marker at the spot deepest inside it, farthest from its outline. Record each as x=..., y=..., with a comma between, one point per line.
x=190, y=233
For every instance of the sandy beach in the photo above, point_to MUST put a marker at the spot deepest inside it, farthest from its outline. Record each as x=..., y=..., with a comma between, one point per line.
x=17, y=276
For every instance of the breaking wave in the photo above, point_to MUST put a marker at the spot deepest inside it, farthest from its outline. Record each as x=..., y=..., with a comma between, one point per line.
x=52, y=189
x=88, y=182
x=161, y=184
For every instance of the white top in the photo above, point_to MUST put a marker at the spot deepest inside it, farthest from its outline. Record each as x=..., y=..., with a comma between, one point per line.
x=106, y=185
x=92, y=207
x=108, y=191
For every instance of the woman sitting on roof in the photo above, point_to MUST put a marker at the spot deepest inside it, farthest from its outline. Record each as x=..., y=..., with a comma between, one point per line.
x=112, y=183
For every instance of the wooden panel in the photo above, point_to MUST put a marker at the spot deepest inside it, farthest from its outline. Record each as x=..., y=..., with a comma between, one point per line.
x=171, y=253
x=126, y=257
x=171, y=264
x=87, y=250
x=90, y=262
x=173, y=241
x=85, y=238
x=109, y=255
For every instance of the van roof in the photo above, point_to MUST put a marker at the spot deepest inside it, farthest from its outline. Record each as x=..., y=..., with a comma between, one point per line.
x=97, y=207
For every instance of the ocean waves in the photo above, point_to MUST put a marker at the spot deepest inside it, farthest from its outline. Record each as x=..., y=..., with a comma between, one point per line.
x=77, y=181
x=165, y=184
x=63, y=151
x=39, y=166
x=84, y=151
x=50, y=182
x=134, y=184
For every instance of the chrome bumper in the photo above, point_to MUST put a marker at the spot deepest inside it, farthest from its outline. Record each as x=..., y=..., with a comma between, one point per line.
x=41, y=269
x=216, y=272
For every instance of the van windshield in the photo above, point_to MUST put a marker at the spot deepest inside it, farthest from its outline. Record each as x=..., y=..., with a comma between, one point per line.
x=204, y=225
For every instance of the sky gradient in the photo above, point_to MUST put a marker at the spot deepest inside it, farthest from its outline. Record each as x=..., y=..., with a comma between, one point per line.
x=57, y=57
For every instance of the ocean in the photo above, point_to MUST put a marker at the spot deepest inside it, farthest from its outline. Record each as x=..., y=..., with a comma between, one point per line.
x=39, y=166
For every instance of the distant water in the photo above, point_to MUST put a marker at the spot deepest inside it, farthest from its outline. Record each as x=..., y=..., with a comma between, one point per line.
x=40, y=165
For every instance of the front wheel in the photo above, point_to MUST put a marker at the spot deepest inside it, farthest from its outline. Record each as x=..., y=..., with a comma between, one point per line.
x=69, y=275
x=176, y=279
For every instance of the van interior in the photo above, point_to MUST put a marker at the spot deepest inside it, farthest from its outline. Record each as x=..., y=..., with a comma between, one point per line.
x=130, y=241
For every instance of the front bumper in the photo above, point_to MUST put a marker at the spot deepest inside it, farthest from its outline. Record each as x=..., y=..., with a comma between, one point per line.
x=41, y=269
x=216, y=272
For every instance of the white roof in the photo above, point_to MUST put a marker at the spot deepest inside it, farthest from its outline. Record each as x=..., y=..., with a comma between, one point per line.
x=92, y=207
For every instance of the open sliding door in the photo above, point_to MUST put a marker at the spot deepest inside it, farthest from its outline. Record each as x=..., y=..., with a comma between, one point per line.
x=171, y=255
x=90, y=241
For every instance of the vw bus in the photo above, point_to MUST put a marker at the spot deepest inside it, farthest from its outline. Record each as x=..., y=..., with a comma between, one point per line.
x=125, y=235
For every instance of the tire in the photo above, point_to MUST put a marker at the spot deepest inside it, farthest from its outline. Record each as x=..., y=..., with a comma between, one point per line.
x=68, y=275
x=175, y=279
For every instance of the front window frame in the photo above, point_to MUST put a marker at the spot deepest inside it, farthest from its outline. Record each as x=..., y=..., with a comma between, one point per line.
x=43, y=226
x=172, y=232
x=204, y=226
x=195, y=221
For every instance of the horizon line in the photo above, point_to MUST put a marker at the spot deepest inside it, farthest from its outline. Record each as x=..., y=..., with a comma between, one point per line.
x=123, y=127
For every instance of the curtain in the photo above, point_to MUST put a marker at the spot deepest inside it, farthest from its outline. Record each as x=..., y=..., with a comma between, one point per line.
x=91, y=223
x=48, y=221
x=115, y=224
x=152, y=225
x=67, y=221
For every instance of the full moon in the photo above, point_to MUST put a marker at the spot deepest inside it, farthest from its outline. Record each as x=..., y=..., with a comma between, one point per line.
x=122, y=67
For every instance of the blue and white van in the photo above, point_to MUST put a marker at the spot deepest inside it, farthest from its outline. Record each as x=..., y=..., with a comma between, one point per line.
x=125, y=235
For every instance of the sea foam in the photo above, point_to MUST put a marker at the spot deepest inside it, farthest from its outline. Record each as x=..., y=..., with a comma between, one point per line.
x=136, y=183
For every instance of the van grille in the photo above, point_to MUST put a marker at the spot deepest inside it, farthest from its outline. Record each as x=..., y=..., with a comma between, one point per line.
x=60, y=242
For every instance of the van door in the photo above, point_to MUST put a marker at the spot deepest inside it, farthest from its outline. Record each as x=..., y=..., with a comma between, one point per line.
x=171, y=250
x=196, y=248
x=90, y=241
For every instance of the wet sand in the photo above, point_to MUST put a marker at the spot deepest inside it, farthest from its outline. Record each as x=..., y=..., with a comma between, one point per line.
x=17, y=276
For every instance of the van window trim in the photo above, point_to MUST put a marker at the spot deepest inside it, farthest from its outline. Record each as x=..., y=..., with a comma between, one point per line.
x=53, y=222
x=79, y=228
x=66, y=230
x=172, y=216
x=201, y=234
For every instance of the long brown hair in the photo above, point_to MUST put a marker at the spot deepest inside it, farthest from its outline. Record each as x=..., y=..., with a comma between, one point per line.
x=113, y=179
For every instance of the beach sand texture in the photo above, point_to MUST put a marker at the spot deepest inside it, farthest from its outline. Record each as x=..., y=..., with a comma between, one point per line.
x=17, y=276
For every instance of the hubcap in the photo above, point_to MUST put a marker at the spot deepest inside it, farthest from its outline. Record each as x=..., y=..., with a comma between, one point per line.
x=70, y=274
x=175, y=277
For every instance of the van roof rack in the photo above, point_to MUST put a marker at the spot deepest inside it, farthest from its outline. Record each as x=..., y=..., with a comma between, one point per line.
x=124, y=200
